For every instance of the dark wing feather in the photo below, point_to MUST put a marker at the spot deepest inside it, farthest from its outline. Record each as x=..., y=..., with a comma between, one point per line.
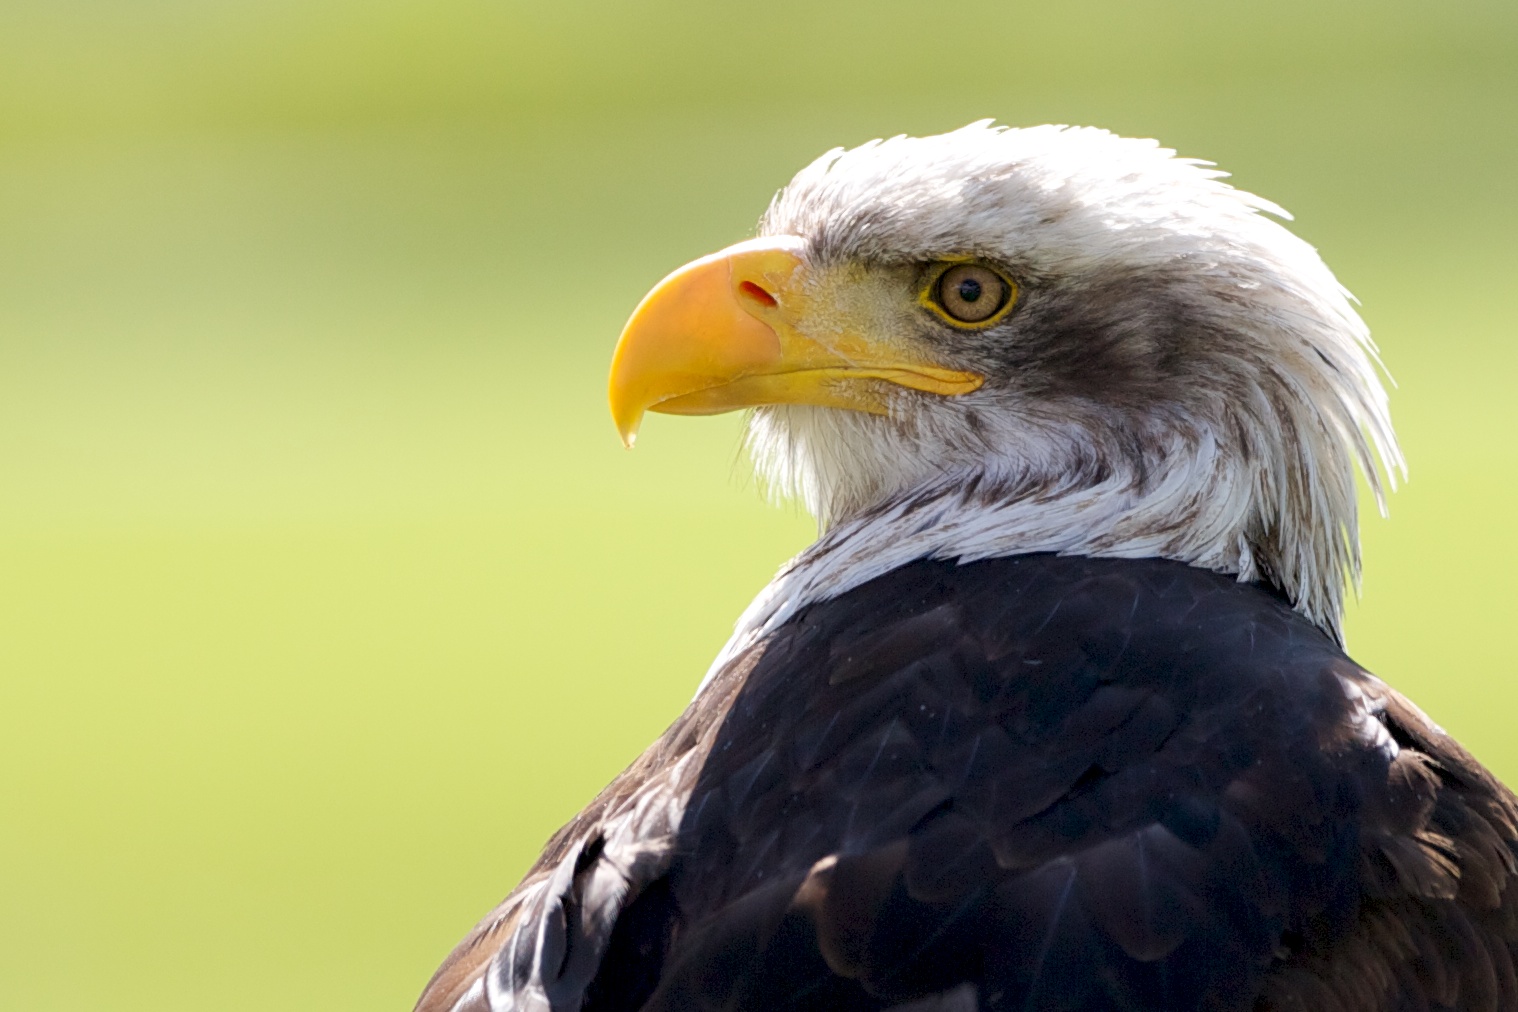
x=1438, y=920
x=1029, y=783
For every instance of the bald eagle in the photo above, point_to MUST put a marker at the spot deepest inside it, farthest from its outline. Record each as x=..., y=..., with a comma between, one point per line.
x=1055, y=714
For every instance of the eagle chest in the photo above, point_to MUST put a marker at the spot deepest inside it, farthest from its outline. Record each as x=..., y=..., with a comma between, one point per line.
x=1019, y=770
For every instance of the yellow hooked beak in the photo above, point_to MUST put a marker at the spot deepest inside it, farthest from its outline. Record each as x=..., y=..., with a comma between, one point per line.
x=726, y=332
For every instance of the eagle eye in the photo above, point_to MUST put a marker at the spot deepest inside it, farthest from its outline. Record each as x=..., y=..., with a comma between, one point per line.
x=970, y=294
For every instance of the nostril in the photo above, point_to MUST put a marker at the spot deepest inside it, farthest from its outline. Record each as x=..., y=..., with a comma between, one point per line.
x=757, y=293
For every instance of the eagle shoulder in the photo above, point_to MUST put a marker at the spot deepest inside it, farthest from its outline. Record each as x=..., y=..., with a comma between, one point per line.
x=1033, y=782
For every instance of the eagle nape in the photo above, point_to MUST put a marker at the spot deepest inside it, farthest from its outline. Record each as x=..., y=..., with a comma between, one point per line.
x=1055, y=714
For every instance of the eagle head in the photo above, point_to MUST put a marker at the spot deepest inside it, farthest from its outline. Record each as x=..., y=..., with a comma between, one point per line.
x=995, y=341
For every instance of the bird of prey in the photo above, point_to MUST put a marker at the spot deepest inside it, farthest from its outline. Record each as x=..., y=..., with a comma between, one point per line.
x=1055, y=714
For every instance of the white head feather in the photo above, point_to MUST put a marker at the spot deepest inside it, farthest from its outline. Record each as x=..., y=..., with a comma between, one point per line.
x=1184, y=378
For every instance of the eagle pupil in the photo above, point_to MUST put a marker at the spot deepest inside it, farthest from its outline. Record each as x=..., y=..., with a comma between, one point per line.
x=969, y=290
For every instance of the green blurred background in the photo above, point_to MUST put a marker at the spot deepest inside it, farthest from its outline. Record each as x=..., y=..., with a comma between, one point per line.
x=326, y=591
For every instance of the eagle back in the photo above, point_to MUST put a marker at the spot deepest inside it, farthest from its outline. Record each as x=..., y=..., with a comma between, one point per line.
x=1037, y=782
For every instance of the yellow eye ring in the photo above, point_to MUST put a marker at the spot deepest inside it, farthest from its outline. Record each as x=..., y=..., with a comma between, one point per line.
x=969, y=295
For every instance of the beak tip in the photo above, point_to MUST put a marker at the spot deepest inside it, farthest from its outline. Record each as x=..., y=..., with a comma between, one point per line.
x=627, y=428
x=626, y=414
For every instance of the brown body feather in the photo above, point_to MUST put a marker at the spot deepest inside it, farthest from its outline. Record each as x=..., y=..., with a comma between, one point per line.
x=1027, y=783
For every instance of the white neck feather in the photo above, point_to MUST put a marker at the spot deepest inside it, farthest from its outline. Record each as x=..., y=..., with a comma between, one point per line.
x=1116, y=518
x=1206, y=507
